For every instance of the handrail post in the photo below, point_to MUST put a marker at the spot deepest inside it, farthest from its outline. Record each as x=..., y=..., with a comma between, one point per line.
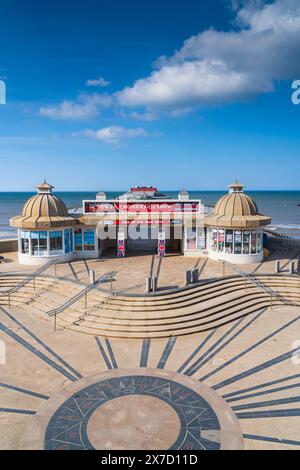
x=55, y=322
x=271, y=300
x=34, y=283
x=85, y=301
x=8, y=300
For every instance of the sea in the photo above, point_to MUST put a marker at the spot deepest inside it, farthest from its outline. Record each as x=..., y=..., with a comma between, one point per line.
x=282, y=206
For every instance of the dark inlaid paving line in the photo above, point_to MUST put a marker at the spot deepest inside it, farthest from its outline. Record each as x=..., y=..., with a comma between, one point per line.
x=111, y=354
x=41, y=343
x=14, y=410
x=204, y=359
x=25, y=391
x=271, y=439
x=269, y=414
x=251, y=348
x=166, y=353
x=254, y=370
x=145, y=352
x=197, y=364
x=198, y=349
x=261, y=404
x=37, y=352
x=103, y=353
x=229, y=341
x=263, y=385
x=264, y=392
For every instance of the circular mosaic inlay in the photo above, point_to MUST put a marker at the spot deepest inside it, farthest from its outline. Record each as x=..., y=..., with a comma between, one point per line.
x=134, y=412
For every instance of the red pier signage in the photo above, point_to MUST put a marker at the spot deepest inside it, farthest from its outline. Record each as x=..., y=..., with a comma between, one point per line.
x=142, y=207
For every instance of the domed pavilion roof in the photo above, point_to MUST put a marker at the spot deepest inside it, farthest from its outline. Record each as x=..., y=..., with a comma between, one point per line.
x=43, y=211
x=236, y=210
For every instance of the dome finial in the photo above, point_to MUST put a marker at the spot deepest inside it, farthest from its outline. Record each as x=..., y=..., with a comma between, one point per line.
x=236, y=187
x=45, y=188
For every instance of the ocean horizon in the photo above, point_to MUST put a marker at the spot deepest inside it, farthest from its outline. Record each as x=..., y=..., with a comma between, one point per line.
x=282, y=206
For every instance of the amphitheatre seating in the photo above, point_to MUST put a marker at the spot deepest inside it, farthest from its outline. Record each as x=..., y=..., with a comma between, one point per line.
x=181, y=312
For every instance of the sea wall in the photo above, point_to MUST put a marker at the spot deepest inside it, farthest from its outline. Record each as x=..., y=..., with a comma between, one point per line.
x=8, y=244
x=283, y=243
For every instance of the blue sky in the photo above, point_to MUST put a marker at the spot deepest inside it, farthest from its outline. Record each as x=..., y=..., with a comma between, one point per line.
x=114, y=93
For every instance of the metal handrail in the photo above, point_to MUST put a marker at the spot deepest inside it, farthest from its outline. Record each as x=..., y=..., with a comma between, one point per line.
x=80, y=294
x=28, y=279
x=256, y=282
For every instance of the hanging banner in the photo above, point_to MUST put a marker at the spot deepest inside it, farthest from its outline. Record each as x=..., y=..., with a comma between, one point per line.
x=161, y=243
x=121, y=245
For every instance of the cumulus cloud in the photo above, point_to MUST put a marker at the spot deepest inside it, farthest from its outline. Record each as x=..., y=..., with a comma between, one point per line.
x=85, y=107
x=114, y=135
x=216, y=67
x=101, y=82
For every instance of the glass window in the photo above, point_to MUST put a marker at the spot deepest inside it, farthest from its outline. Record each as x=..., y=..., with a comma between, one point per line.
x=246, y=242
x=56, y=241
x=39, y=243
x=214, y=240
x=68, y=240
x=253, y=241
x=25, y=241
x=237, y=242
x=201, y=240
x=78, y=239
x=89, y=239
x=259, y=241
x=229, y=242
x=221, y=239
x=191, y=238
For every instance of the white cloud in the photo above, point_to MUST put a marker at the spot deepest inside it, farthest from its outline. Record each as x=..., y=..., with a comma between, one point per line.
x=85, y=107
x=145, y=116
x=216, y=67
x=97, y=82
x=114, y=135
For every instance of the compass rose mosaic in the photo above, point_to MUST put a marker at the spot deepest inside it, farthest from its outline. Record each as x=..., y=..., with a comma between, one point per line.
x=144, y=409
